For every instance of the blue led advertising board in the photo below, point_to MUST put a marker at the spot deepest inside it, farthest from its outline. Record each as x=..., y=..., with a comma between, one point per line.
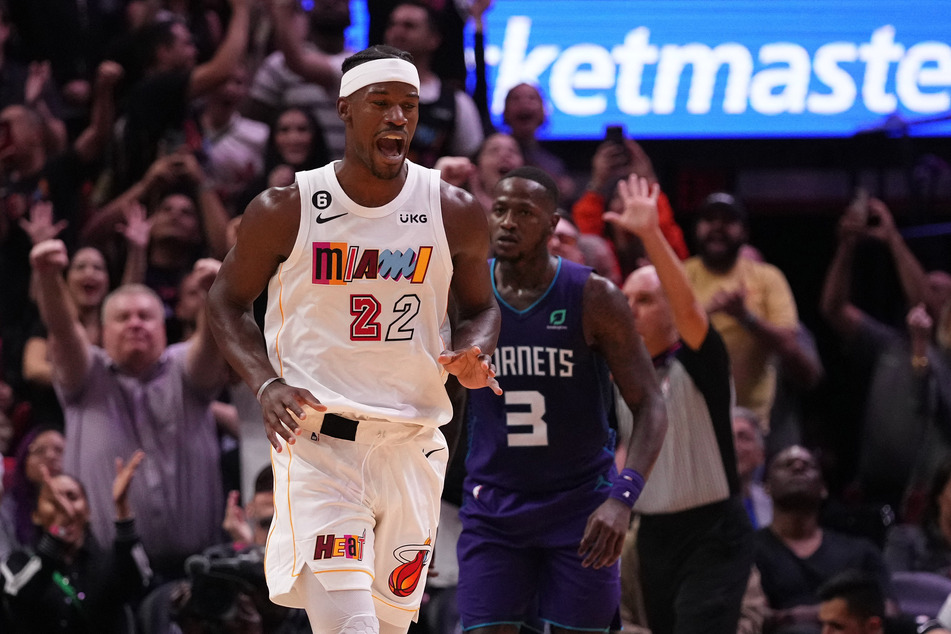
x=725, y=68
x=717, y=68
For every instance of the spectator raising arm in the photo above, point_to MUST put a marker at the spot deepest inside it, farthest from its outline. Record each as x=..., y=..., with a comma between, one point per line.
x=68, y=343
x=311, y=64
x=835, y=303
x=641, y=217
x=854, y=225
x=93, y=140
x=218, y=69
x=205, y=366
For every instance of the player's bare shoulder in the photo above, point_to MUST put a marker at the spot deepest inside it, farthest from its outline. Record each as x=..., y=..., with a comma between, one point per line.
x=464, y=219
x=272, y=220
x=275, y=201
x=605, y=309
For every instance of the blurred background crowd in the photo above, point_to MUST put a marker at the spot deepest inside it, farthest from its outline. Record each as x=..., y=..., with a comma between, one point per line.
x=133, y=133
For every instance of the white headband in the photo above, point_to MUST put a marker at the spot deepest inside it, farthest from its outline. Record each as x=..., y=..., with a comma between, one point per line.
x=377, y=71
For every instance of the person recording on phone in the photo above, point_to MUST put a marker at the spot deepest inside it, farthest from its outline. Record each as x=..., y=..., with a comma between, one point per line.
x=616, y=158
x=908, y=392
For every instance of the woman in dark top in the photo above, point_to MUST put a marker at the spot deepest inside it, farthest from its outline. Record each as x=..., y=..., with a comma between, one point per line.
x=68, y=582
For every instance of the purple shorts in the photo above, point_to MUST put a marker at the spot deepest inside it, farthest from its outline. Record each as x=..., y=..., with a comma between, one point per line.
x=519, y=562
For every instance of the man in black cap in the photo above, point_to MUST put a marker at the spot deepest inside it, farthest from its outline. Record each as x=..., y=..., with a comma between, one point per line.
x=749, y=302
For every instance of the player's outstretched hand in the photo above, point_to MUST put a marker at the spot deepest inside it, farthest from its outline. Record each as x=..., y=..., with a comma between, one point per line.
x=604, y=535
x=473, y=369
x=278, y=402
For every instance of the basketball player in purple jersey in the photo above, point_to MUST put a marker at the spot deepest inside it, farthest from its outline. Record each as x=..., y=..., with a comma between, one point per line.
x=545, y=511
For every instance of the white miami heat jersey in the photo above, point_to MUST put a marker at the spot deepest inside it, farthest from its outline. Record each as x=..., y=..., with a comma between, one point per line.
x=354, y=313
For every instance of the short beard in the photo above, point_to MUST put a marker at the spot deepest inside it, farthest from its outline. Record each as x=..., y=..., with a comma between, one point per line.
x=386, y=176
x=721, y=262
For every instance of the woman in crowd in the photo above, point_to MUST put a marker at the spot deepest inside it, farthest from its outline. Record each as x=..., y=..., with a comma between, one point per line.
x=40, y=450
x=68, y=582
x=296, y=143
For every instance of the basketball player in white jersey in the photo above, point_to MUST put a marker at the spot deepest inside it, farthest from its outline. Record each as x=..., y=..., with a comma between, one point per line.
x=360, y=259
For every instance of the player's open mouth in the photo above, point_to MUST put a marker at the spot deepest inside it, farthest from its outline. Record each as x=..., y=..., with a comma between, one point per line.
x=391, y=146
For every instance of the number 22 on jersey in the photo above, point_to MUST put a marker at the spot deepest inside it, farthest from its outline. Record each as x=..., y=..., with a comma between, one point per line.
x=366, y=325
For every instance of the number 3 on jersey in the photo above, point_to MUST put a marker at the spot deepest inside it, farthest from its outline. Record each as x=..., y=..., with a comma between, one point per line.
x=523, y=414
x=366, y=326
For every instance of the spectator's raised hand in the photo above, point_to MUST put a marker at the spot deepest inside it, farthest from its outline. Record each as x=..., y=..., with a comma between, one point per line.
x=455, y=170
x=206, y=269
x=120, y=486
x=281, y=176
x=919, y=324
x=77, y=92
x=854, y=221
x=640, y=163
x=108, y=74
x=236, y=522
x=137, y=226
x=881, y=224
x=610, y=161
x=478, y=8
x=49, y=255
x=162, y=171
x=639, y=199
x=38, y=75
x=187, y=167
x=39, y=225
x=65, y=524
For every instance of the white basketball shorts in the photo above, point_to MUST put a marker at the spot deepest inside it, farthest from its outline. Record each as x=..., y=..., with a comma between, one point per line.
x=358, y=514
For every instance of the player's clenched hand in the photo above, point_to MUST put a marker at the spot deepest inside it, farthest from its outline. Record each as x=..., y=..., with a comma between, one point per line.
x=278, y=402
x=473, y=369
x=604, y=535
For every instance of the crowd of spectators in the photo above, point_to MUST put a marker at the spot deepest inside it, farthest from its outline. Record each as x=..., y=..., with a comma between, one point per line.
x=132, y=136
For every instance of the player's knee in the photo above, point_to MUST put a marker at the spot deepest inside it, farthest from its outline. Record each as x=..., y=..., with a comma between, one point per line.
x=360, y=624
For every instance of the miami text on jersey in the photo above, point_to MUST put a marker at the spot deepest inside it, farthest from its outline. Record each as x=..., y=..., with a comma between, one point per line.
x=343, y=263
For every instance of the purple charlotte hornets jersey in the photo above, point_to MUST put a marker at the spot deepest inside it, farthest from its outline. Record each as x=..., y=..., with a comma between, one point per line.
x=549, y=430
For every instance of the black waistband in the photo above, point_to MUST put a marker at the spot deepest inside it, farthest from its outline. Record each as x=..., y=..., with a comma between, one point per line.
x=339, y=427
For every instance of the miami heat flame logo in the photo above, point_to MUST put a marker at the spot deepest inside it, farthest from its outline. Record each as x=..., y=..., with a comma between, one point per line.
x=405, y=577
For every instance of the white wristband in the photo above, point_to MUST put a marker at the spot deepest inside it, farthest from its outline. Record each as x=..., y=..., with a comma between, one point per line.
x=266, y=383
